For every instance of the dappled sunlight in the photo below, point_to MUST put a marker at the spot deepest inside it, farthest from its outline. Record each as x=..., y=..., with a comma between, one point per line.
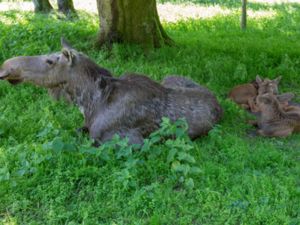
x=272, y=2
x=168, y=12
x=7, y=219
x=88, y=6
x=261, y=14
x=173, y=12
x=17, y=18
x=22, y=6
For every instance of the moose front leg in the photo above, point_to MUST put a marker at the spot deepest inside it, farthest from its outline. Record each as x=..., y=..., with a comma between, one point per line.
x=84, y=129
x=252, y=105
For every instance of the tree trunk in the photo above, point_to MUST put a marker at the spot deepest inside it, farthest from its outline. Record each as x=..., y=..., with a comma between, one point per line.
x=244, y=15
x=42, y=6
x=66, y=6
x=130, y=21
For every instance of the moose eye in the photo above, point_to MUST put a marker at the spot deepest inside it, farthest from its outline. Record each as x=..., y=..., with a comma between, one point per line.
x=49, y=62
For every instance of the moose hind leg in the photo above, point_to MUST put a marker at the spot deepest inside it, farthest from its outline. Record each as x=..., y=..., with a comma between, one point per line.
x=283, y=133
x=276, y=131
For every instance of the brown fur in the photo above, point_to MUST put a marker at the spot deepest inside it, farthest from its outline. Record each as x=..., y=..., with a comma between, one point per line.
x=274, y=121
x=292, y=109
x=283, y=100
x=245, y=94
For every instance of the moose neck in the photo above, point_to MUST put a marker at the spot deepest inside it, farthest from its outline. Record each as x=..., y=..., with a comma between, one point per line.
x=87, y=95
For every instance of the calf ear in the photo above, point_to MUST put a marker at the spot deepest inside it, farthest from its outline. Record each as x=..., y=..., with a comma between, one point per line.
x=277, y=80
x=3, y=73
x=258, y=79
x=286, y=97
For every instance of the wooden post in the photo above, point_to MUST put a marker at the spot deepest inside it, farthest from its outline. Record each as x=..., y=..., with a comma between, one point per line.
x=244, y=15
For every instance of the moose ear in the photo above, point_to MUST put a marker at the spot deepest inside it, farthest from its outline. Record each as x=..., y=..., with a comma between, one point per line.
x=102, y=82
x=277, y=80
x=65, y=44
x=258, y=79
x=69, y=55
x=68, y=51
x=3, y=73
x=286, y=97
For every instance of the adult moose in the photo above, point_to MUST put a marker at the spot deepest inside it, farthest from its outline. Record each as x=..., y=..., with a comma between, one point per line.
x=131, y=106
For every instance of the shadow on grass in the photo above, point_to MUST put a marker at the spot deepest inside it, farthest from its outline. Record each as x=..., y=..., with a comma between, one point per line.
x=212, y=51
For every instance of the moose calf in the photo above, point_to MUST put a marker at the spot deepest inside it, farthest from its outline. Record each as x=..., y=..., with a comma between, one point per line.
x=245, y=94
x=274, y=121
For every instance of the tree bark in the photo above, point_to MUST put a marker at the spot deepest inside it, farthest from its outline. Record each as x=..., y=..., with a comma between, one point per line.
x=130, y=21
x=66, y=6
x=42, y=6
x=244, y=15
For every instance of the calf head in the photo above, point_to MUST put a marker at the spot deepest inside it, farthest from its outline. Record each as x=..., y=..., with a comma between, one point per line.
x=267, y=85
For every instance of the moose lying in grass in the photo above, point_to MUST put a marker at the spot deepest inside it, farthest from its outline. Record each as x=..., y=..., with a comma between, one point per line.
x=131, y=106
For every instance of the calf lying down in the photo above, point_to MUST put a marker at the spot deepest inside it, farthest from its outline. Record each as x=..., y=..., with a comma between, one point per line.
x=245, y=94
x=275, y=121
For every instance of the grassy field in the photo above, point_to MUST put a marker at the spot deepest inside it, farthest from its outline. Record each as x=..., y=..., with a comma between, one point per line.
x=49, y=174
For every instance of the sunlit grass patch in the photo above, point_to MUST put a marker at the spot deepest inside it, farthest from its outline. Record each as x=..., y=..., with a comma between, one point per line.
x=272, y=2
x=168, y=12
x=173, y=12
x=13, y=17
x=259, y=14
x=24, y=6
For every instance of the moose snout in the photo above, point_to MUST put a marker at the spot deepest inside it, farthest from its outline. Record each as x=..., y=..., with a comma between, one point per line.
x=10, y=73
x=3, y=74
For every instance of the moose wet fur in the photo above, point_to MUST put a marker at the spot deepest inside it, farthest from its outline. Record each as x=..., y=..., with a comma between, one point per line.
x=131, y=106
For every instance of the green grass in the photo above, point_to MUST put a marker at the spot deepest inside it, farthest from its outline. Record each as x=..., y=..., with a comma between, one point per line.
x=50, y=175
